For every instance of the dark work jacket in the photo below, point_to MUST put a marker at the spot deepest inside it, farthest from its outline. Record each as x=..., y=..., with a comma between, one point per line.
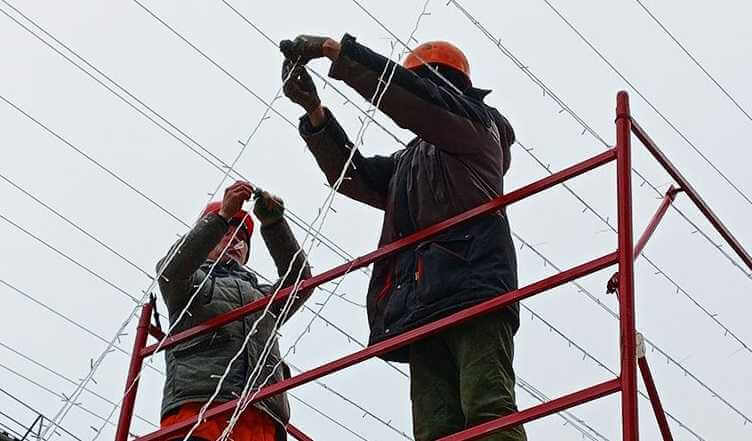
x=456, y=162
x=194, y=366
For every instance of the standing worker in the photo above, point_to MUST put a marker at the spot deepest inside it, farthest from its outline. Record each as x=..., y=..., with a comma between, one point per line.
x=462, y=376
x=216, y=250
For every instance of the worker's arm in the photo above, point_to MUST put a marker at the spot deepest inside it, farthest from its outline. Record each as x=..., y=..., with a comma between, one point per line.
x=179, y=268
x=433, y=110
x=289, y=258
x=366, y=179
x=180, y=272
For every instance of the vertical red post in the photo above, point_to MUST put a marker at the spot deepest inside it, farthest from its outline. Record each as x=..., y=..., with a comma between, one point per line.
x=655, y=400
x=131, y=384
x=626, y=270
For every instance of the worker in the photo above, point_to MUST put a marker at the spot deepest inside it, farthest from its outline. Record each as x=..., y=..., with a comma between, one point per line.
x=207, y=275
x=462, y=376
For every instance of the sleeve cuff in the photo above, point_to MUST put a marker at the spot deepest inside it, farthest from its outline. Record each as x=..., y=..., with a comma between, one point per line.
x=330, y=129
x=340, y=67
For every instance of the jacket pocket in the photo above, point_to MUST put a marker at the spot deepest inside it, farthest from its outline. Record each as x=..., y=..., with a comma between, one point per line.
x=441, y=266
x=201, y=344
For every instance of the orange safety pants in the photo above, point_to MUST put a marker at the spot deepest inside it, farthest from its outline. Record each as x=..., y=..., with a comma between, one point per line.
x=253, y=424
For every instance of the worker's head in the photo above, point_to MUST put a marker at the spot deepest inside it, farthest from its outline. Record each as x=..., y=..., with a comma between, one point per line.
x=444, y=57
x=237, y=239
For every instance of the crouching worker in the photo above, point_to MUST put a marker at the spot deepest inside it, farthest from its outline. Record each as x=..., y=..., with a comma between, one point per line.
x=216, y=250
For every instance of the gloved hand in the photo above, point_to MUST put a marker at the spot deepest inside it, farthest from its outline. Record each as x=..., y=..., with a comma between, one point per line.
x=268, y=208
x=299, y=87
x=304, y=48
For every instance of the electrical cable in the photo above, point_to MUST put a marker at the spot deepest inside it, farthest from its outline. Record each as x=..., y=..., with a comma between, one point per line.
x=693, y=58
x=649, y=103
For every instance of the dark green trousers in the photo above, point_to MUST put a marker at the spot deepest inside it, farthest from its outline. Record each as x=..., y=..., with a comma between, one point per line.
x=463, y=377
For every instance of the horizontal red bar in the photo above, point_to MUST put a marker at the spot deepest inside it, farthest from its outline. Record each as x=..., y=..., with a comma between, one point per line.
x=692, y=193
x=539, y=411
x=401, y=340
x=391, y=248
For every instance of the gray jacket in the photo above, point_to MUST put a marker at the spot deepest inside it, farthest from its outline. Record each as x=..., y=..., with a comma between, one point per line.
x=193, y=366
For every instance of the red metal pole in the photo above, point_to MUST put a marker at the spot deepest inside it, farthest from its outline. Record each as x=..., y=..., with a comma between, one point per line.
x=628, y=375
x=391, y=248
x=657, y=217
x=131, y=383
x=655, y=400
x=613, y=283
x=692, y=193
x=297, y=433
x=539, y=411
x=398, y=341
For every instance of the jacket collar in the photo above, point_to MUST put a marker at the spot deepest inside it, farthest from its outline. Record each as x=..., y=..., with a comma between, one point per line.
x=230, y=269
x=478, y=94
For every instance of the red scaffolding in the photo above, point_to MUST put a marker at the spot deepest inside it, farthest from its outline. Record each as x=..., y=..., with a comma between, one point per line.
x=622, y=282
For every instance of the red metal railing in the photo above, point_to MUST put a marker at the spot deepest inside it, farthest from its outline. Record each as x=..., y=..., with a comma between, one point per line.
x=622, y=282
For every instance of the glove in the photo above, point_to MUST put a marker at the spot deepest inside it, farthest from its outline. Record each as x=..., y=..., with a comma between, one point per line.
x=299, y=86
x=268, y=209
x=304, y=48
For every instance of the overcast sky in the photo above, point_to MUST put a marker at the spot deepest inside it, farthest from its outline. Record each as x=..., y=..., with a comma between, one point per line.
x=124, y=42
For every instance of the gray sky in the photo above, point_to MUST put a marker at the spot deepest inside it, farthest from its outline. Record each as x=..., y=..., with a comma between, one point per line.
x=123, y=41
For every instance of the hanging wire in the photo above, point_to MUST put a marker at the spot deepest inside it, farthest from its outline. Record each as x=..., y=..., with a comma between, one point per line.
x=375, y=103
x=59, y=395
x=649, y=103
x=28, y=407
x=70, y=259
x=615, y=315
x=69, y=380
x=219, y=165
x=587, y=128
x=69, y=320
x=200, y=285
x=694, y=59
x=318, y=411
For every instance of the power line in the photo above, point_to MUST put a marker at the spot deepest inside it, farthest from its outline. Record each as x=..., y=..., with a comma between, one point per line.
x=74, y=225
x=68, y=319
x=579, y=119
x=649, y=103
x=586, y=128
x=28, y=407
x=67, y=379
x=315, y=409
x=615, y=315
x=294, y=218
x=592, y=131
x=70, y=259
x=588, y=207
x=52, y=392
x=694, y=59
x=323, y=78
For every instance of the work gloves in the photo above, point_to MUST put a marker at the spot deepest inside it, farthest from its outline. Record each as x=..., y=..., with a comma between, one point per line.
x=304, y=48
x=299, y=87
x=268, y=209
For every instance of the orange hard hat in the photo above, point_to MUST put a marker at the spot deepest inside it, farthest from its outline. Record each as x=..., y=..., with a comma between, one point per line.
x=438, y=52
x=240, y=216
